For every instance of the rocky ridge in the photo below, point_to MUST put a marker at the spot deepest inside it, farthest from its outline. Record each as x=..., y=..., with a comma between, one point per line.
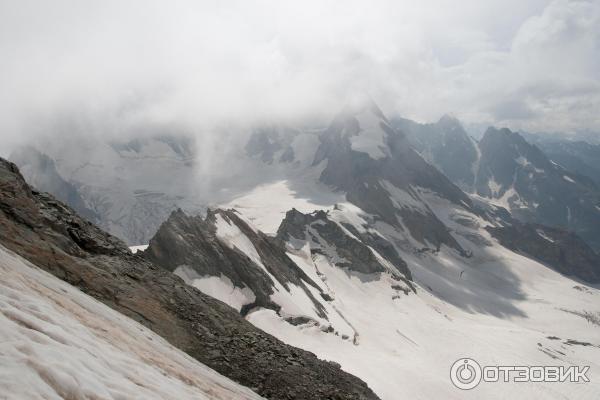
x=52, y=236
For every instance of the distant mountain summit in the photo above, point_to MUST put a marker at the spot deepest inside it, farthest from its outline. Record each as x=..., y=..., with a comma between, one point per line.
x=349, y=241
x=575, y=155
x=512, y=173
x=520, y=177
x=380, y=172
x=446, y=145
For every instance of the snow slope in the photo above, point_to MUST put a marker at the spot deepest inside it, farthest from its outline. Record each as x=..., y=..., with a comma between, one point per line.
x=371, y=137
x=56, y=342
x=265, y=205
x=497, y=307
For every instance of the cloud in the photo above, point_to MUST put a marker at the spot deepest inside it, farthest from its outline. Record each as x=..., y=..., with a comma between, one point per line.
x=549, y=78
x=206, y=63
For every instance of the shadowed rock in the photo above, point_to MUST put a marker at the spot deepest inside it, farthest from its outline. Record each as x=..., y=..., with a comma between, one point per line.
x=344, y=250
x=563, y=251
x=193, y=242
x=52, y=236
x=392, y=165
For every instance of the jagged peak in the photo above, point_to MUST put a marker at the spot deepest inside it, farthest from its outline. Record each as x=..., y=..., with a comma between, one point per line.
x=522, y=148
x=449, y=119
x=361, y=103
x=355, y=248
x=506, y=133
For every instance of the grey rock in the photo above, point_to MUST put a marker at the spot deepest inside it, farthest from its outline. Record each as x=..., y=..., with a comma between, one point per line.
x=192, y=241
x=42, y=173
x=544, y=192
x=578, y=156
x=361, y=176
x=444, y=144
x=325, y=235
x=561, y=250
x=53, y=237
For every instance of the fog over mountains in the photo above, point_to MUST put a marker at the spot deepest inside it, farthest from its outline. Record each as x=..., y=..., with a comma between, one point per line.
x=131, y=186
x=311, y=200
x=361, y=242
x=208, y=64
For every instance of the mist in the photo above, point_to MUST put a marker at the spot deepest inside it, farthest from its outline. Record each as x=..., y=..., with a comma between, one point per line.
x=108, y=66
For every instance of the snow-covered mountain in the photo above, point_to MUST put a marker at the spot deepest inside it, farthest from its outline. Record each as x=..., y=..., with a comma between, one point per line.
x=348, y=243
x=406, y=273
x=512, y=173
x=444, y=144
x=575, y=155
x=397, y=330
x=128, y=187
x=521, y=178
x=53, y=238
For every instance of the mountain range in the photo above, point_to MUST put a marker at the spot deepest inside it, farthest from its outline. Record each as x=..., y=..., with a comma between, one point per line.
x=356, y=261
x=543, y=185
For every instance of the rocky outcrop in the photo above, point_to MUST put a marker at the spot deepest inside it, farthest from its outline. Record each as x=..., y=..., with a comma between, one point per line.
x=53, y=237
x=561, y=250
x=342, y=244
x=381, y=173
x=41, y=172
x=196, y=243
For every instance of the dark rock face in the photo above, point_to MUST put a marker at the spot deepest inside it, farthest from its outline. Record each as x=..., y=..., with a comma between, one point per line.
x=536, y=189
x=43, y=174
x=325, y=236
x=563, y=251
x=505, y=154
x=504, y=166
x=192, y=241
x=53, y=237
x=446, y=145
x=578, y=156
x=368, y=181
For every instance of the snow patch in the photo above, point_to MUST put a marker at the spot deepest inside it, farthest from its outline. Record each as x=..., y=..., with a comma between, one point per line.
x=349, y=214
x=56, y=342
x=371, y=137
x=135, y=249
x=265, y=206
x=544, y=235
x=404, y=199
x=219, y=287
x=233, y=237
x=522, y=161
x=494, y=187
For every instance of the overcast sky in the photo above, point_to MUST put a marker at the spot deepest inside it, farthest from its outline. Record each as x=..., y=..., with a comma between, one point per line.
x=531, y=65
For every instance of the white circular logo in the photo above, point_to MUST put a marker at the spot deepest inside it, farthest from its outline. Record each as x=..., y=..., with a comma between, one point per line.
x=465, y=373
